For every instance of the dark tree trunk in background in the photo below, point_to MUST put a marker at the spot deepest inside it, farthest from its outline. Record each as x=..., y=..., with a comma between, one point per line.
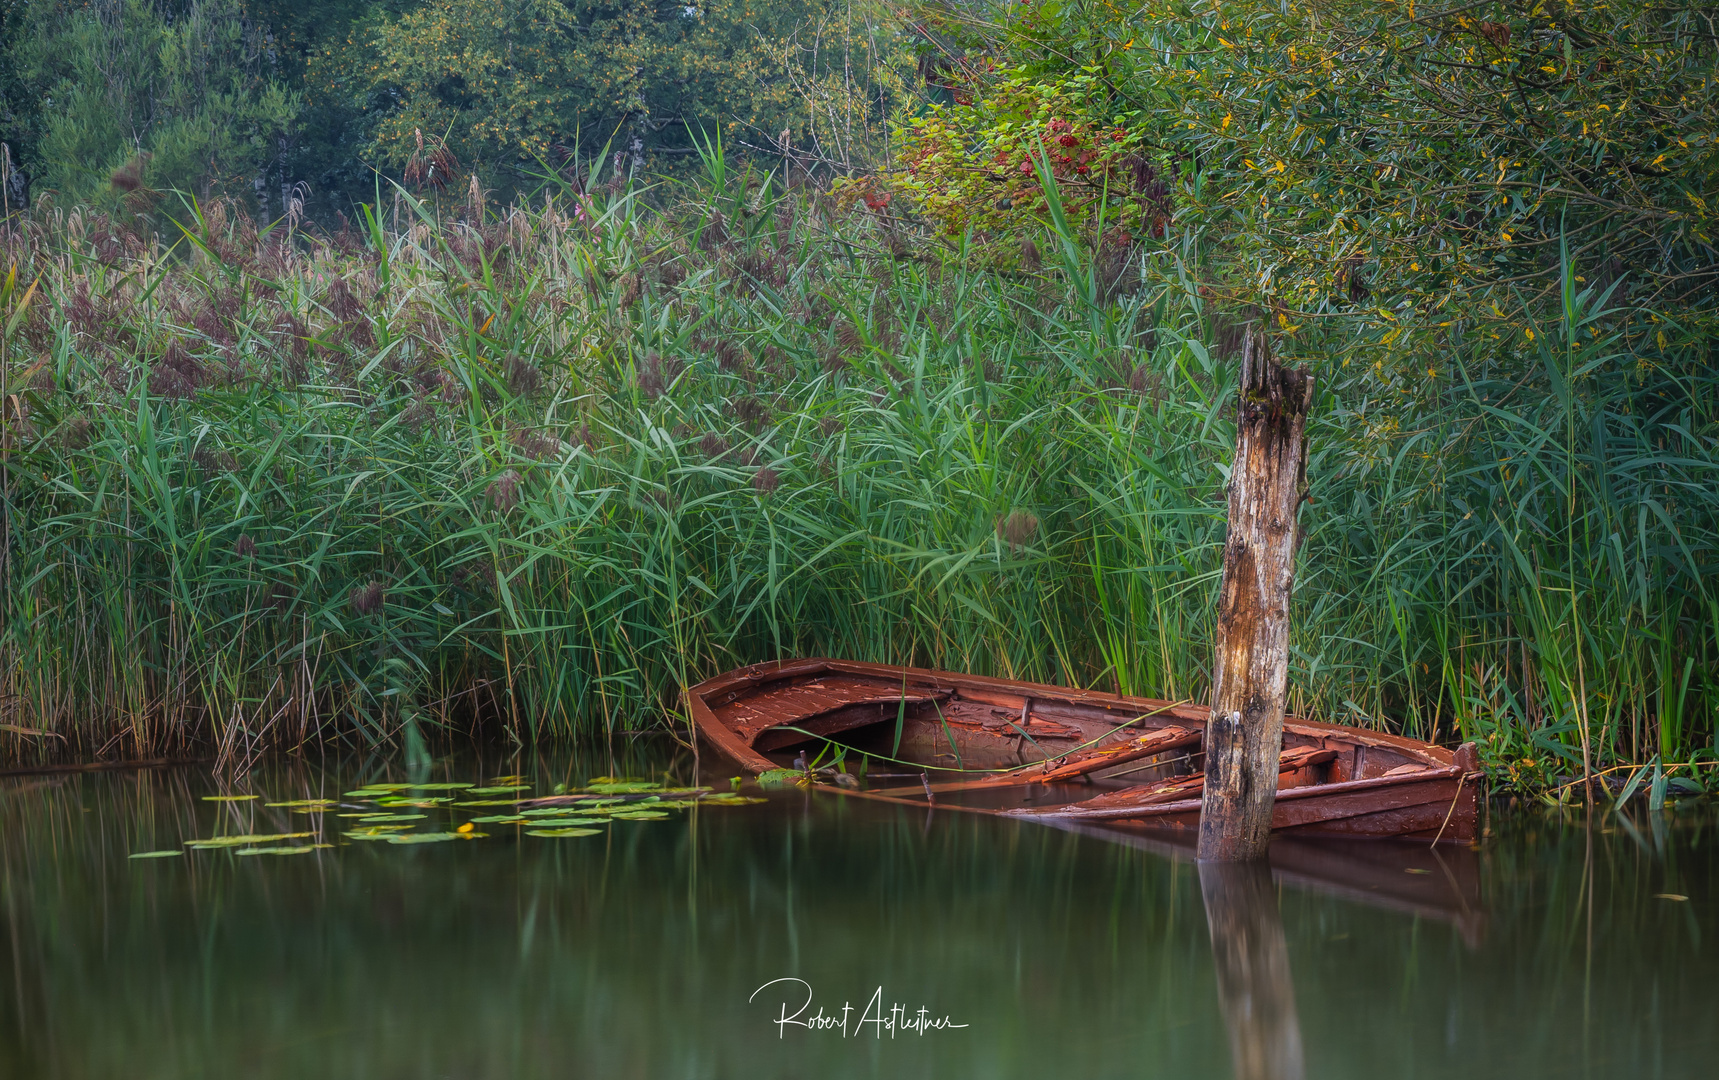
x=1250, y=671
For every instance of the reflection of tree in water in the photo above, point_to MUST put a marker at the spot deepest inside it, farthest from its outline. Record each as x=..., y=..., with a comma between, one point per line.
x=1255, y=988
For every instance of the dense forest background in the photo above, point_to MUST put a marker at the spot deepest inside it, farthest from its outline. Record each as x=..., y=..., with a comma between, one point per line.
x=277, y=101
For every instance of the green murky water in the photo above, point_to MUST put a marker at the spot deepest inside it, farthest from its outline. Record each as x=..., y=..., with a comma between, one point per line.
x=628, y=946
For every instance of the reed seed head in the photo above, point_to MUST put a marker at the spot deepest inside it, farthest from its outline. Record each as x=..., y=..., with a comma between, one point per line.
x=244, y=547
x=368, y=599
x=751, y=412
x=523, y=378
x=765, y=481
x=504, y=491
x=1017, y=529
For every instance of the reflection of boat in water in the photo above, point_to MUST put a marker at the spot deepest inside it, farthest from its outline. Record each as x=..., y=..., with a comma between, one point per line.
x=1440, y=883
x=1071, y=756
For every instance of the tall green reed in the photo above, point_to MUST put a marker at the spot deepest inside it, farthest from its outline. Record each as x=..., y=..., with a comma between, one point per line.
x=539, y=467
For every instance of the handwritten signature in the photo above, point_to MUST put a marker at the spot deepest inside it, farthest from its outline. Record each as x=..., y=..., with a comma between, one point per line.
x=896, y=1019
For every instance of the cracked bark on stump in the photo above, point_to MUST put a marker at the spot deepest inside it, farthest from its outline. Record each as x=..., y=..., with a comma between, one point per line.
x=1250, y=670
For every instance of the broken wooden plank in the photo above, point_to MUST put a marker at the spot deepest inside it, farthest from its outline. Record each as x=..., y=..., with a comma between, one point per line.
x=1178, y=788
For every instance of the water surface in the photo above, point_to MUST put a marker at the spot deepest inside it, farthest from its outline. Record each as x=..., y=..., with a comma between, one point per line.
x=1553, y=950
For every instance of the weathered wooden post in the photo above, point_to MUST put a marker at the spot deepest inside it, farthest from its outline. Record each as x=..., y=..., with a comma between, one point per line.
x=1250, y=669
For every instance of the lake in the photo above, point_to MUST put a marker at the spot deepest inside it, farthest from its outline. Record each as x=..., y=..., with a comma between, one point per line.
x=686, y=942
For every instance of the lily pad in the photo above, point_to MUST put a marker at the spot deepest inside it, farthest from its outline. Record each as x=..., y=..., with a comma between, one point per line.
x=638, y=815
x=154, y=854
x=228, y=798
x=369, y=818
x=385, y=787
x=508, y=819
x=731, y=800
x=458, y=785
x=370, y=793
x=304, y=849
x=433, y=837
x=563, y=822
x=423, y=803
x=297, y=804
x=562, y=832
x=489, y=802
x=248, y=840
x=623, y=787
x=500, y=790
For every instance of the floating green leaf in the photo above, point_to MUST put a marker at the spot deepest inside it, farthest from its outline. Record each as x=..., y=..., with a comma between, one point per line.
x=426, y=803
x=454, y=786
x=730, y=800
x=433, y=837
x=561, y=823
x=228, y=798
x=623, y=786
x=501, y=790
x=562, y=832
x=489, y=802
x=249, y=840
x=369, y=818
x=304, y=803
x=488, y=819
x=301, y=850
x=154, y=854
x=638, y=815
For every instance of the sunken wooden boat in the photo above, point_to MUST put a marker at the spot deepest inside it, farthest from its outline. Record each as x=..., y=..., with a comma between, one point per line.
x=1027, y=749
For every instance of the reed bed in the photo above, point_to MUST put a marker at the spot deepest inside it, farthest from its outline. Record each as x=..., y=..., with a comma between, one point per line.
x=534, y=468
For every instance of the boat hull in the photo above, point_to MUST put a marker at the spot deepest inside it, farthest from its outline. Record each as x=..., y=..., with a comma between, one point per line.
x=1039, y=751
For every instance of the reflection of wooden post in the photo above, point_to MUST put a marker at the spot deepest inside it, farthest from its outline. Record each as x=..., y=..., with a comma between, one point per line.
x=1250, y=671
x=1255, y=987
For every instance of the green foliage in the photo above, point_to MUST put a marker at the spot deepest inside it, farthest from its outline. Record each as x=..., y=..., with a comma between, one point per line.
x=298, y=105
x=16, y=111
x=520, y=83
x=1386, y=171
x=184, y=93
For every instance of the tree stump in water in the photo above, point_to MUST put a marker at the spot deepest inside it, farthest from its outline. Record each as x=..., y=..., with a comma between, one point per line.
x=1250, y=670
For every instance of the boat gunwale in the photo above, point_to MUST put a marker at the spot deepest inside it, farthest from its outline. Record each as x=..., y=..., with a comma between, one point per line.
x=1182, y=806
x=760, y=675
